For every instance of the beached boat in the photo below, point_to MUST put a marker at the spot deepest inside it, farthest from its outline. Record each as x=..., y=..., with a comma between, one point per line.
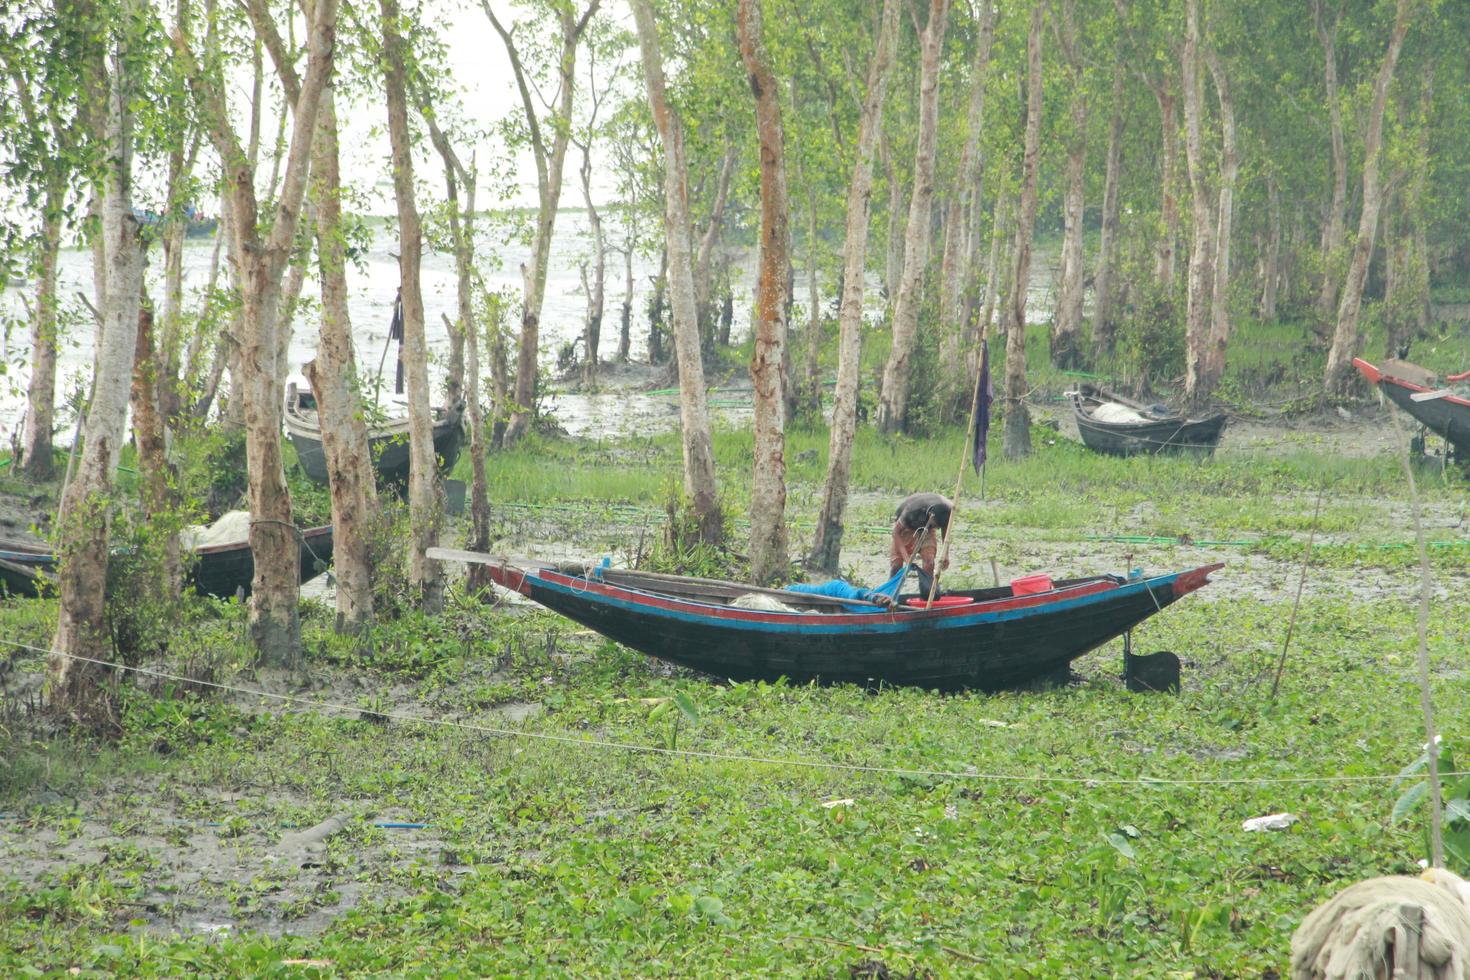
x=1419, y=392
x=388, y=442
x=1119, y=426
x=222, y=564
x=984, y=638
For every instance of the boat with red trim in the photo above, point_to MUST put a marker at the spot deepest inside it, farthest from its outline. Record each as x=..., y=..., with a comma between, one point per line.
x=997, y=640
x=1443, y=412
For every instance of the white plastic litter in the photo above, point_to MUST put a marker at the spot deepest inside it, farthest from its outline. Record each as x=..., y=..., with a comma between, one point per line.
x=231, y=528
x=835, y=803
x=1272, y=821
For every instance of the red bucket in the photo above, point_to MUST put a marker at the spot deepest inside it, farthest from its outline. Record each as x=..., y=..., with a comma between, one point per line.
x=1031, y=584
x=943, y=602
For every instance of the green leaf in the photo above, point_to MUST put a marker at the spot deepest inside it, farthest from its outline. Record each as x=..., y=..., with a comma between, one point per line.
x=1120, y=843
x=1457, y=810
x=687, y=707
x=1411, y=769
x=1411, y=799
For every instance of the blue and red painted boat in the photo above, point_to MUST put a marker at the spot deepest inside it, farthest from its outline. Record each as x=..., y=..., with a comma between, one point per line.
x=997, y=639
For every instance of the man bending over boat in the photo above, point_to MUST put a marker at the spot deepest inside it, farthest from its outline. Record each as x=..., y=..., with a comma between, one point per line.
x=920, y=521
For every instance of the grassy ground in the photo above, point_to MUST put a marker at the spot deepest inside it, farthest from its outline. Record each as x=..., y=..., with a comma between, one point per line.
x=1025, y=847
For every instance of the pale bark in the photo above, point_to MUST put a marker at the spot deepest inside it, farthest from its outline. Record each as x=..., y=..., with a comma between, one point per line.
x=1066, y=335
x=1271, y=273
x=425, y=505
x=261, y=263
x=827, y=548
x=703, y=287
x=699, y=460
x=334, y=380
x=1201, y=253
x=1219, y=336
x=1165, y=259
x=993, y=292
x=1334, y=228
x=893, y=402
x=811, y=383
x=625, y=311
x=41, y=388
x=597, y=289
x=893, y=251
x=550, y=161
x=1345, y=338
x=768, y=555
x=76, y=687
x=1103, y=327
x=956, y=259
x=1018, y=418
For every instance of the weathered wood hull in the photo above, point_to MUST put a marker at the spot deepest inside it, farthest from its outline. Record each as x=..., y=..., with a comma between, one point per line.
x=1175, y=435
x=24, y=581
x=1447, y=416
x=999, y=641
x=388, y=445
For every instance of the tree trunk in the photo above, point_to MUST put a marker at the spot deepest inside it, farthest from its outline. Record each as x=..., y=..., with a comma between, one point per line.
x=893, y=253
x=550, y=162
x=1164, y=259
x=41, y=389
x=158, y=475
x=275, y=623
x=768, y=556
x=1018, y=420
x=1345, y=338
x=76, y=687
x=1103, y=327
x=479, y=575
x=1201, y=270
x=1066, y=335
x=827, y=548
x=893, y=402
x=702, y=284
x=1271, y=275
x=999, y=219
x=1334, y=227
x=956, y=258
x=425, y=506
x=811, y=381
x=333, y=376
x=596, y=293
x=625, y=314
x=699, y=460
x=1214, y=366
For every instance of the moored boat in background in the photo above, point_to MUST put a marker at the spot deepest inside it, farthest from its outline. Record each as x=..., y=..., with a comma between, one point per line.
x=387, y=441
x=1119, y=426
x=1418, y=392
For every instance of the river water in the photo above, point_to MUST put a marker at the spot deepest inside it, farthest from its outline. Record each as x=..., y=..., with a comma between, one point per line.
x=373, y=283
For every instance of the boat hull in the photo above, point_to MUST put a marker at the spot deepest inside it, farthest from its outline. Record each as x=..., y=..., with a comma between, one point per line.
x=222, y=571
x=985, y=646
x=1190, y=436
x=1447, y=417
x=390, y=451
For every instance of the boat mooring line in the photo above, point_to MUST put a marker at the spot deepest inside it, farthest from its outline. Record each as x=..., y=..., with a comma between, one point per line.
x=794, y=763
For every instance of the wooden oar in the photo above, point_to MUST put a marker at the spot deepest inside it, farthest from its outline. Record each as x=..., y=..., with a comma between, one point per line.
x=1429, y=396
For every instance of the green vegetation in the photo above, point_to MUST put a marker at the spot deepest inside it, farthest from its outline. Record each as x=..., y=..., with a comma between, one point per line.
x=568, y=857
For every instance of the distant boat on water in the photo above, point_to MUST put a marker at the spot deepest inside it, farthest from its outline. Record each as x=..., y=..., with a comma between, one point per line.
x=197, y=224
x=387, y=441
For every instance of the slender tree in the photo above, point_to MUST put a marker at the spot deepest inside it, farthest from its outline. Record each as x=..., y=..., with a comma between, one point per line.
x=1018, y=419
x=894, y=400
x=1219, y=332
x=1345, y=337
x=1104, y=287
x=1066, y=335
x=1201, y=253
x=699, y=460
x=1334, y=229
x=768, y=557
x=550, y=154
x=827, y=548
x=261, y=251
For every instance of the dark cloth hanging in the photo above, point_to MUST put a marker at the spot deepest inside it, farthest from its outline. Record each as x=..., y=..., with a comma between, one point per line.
x=984, y=395
x=395, y=332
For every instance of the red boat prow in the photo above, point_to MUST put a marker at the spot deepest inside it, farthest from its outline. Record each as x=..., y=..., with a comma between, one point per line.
x=1368, y=371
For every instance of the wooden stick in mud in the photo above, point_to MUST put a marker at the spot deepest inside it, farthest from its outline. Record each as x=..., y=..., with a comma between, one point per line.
x=1291, y=623
x=959, y=480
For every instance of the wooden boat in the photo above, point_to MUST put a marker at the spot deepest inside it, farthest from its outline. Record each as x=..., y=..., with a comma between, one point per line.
x=1134, y=428
x=388, y=442
x=1446, y=414
x=221, y=570
x=24, y=581
x=997, y=640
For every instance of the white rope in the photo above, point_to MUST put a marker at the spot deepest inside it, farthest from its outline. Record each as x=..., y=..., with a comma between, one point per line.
x=795, y=763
